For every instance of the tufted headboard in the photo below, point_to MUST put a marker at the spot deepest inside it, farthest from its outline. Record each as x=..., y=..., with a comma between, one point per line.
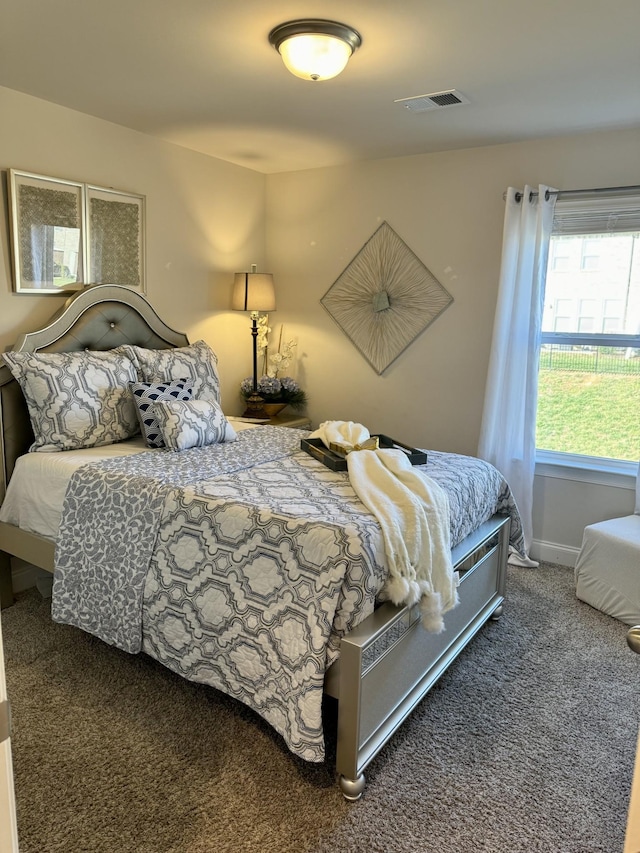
x=99, y=317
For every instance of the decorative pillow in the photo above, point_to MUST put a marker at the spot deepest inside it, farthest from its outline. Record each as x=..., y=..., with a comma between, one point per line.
x=76, y=399
x=198, y=363
x=195, y=423
x=145, y=394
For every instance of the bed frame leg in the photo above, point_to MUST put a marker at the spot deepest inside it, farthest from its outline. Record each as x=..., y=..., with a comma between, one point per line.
x=6, y=586
x=352, y=789
x=497, y=613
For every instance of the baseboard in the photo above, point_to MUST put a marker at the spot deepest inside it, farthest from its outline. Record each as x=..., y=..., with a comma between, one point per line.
x=552, y=552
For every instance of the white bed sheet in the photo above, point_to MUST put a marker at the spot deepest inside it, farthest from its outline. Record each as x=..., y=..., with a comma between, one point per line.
x=36, y=491
x=39, y=481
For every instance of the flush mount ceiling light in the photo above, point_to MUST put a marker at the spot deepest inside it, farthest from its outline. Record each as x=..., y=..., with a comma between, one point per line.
x=314, y=49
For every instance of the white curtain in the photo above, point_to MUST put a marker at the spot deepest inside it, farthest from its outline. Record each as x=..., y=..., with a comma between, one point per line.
x=42, y=239
x=508, y=432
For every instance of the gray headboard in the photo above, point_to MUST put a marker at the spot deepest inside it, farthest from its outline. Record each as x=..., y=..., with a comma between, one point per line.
x=99, y=317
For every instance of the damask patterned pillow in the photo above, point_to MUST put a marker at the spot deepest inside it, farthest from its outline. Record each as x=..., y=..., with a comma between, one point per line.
x=145, y=394
x=76, y=399
x=197, y=362
x=195, y=423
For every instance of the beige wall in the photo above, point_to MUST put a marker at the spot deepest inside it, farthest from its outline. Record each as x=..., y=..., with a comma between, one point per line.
x=205, y=220
x=449, y=209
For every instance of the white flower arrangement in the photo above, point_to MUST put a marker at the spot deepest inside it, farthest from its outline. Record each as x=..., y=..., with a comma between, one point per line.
x=272, y=386
x=281, y=359
x=264, y=329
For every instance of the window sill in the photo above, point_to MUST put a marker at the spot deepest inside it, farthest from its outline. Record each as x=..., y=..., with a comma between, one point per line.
x=586, y=469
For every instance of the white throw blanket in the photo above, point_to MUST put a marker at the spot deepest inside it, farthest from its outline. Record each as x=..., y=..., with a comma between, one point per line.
x=413, y=513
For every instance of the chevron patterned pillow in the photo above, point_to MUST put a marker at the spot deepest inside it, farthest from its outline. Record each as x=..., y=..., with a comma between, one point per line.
x=145, y=394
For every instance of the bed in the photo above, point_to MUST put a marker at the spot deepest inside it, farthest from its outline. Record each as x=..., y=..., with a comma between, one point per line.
x=247, y=565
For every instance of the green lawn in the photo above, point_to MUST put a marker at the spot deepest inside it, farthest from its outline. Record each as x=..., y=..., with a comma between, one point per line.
x=593, y=414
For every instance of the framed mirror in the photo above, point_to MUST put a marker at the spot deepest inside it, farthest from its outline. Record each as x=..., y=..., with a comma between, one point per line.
x=47, y=217
x=66, y=235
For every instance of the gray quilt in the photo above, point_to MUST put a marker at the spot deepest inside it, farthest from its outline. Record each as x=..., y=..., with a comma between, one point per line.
x=240, y=565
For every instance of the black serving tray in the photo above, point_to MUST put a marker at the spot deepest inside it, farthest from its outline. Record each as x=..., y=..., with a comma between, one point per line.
x=338, y=462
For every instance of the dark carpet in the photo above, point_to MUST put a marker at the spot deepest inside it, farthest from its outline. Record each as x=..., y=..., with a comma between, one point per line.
x=526, y=744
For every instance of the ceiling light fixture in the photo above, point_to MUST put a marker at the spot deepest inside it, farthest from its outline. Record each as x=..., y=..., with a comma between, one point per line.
x=314, y=49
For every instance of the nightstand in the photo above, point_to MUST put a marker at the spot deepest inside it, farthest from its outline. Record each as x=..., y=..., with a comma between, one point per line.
x=292, y=420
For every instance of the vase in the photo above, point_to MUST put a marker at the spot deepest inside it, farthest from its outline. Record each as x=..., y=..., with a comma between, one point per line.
x=273, y=409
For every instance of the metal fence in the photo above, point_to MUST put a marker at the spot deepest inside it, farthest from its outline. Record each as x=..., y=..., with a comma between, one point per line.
x=587, y=359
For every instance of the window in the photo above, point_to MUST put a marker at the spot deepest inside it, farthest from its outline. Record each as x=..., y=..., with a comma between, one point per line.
x=559, y=259
x=590, y=255
x=589, y=370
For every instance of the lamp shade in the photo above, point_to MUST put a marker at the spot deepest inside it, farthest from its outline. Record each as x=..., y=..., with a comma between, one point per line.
x=315, y=57
x=253, y=291
x=315, y=49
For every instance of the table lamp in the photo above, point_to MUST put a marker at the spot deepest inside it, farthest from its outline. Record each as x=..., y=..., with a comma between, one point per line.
x=254, y=292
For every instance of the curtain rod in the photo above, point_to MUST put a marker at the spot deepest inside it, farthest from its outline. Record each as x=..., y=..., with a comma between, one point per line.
x=559, y=193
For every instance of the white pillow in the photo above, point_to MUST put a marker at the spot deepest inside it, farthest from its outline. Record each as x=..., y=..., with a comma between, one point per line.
x=192, y=423
x=197, y=362
x=637, y=509
x=77, y=399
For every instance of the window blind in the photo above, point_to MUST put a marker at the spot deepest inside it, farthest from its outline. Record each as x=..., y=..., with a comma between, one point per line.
x=596, y=214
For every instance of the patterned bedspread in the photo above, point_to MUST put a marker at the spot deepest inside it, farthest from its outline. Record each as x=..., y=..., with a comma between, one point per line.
x=240, y=565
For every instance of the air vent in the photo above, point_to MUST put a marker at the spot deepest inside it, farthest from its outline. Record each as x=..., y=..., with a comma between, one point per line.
x=422, y=103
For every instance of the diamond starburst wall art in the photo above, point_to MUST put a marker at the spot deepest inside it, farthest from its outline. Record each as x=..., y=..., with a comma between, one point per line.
x=385, y=298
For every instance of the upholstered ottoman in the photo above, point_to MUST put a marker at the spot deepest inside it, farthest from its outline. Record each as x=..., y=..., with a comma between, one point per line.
x=608, y=566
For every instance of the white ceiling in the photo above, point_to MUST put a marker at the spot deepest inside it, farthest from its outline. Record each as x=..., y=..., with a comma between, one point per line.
x=202, y=74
